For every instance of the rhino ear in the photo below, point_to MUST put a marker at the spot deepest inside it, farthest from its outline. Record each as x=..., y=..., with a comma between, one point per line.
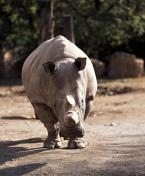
x=49, y=67
x=80, y=63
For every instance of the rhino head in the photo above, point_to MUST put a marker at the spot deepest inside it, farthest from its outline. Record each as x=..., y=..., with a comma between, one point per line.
x=68, y=86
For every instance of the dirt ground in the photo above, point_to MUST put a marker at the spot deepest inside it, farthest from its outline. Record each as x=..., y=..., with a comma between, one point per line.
x=115, y=135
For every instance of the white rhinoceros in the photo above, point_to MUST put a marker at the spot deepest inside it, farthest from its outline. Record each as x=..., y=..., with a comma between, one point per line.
x=60, y=83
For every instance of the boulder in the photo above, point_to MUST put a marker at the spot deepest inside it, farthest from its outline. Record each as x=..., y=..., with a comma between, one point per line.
x=8, y=59
x=99, y=67
x=2, y=69
x=124, y=65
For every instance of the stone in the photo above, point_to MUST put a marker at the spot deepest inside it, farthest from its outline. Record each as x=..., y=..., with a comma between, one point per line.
x=99, y=67
x=124, y=65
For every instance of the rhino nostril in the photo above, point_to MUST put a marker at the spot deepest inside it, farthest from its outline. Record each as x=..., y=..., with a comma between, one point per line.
x=69, y=113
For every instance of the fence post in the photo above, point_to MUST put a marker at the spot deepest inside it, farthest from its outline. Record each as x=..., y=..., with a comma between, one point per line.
x=68, y=28
x=47, y=21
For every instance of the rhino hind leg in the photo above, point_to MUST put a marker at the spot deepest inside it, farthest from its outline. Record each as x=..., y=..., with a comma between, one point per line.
x=46, y=116
x=76, y=143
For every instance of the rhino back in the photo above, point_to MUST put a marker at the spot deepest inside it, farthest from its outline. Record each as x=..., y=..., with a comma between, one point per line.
x=37, y=82
x=52, y=50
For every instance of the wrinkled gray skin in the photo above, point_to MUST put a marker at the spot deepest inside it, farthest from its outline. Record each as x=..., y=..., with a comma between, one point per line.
x=60, y=83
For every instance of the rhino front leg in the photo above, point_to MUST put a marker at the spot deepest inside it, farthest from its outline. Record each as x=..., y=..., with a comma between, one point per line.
x=46, y=116
x=76, y=143
x=79, y=143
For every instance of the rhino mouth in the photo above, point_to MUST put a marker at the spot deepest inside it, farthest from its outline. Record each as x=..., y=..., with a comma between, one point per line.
x=72, y=132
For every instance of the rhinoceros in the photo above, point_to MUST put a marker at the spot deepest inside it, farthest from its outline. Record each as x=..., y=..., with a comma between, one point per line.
x=60, y=83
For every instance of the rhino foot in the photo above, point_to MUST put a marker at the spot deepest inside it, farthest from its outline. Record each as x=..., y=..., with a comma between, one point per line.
x=52, y=144
x=78, y=143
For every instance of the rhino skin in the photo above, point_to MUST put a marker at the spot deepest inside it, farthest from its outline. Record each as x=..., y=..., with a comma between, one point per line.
x=60, y=83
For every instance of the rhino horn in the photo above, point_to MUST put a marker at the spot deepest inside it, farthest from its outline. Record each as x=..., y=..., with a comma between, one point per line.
x=71, y=118
x=70, y=100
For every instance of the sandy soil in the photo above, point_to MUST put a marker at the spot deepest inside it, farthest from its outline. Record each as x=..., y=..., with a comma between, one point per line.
x=115, y=135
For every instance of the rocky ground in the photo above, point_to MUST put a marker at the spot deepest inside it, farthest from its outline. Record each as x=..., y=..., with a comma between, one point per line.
x=115, y=135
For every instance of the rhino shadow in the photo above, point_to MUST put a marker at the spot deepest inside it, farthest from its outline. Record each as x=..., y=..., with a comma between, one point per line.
x=20, y=170
x=110, y=158
x=16, y=118
x=9, y=150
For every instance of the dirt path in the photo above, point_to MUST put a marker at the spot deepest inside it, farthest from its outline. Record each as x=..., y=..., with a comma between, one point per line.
x=115, y=135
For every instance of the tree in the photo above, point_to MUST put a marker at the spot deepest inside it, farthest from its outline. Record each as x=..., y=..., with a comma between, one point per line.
x=18, y=27
x=103, y=23
x=99, y=24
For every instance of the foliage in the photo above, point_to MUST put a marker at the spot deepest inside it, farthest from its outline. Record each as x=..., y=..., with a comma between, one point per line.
x=105, y=23
x=18, y=24
x=99, y=24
